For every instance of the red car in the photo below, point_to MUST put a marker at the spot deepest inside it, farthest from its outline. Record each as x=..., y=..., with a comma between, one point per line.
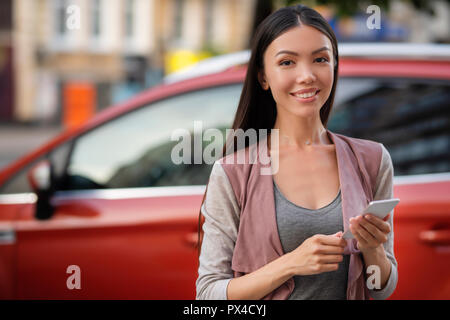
x=101, y=211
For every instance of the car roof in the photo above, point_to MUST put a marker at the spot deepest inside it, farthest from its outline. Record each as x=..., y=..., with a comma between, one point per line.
x=404, y=51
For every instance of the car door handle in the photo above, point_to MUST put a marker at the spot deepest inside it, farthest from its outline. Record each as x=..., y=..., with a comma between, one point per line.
x=435, y=237
x=7, y=237
x=191, y=239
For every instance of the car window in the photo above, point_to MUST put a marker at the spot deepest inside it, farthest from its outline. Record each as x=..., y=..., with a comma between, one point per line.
x=410, y=117
x=135, y=150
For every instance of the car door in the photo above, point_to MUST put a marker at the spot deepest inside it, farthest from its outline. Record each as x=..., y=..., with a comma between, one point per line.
x=15, y=194
x=10, y=205
x=411, y=118
x=125, y=220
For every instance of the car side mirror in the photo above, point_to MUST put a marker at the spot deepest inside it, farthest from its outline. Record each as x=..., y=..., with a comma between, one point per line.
x=40, y=179
x=39, y=176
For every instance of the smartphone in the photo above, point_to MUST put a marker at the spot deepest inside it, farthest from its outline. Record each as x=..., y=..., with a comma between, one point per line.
x=378, y=208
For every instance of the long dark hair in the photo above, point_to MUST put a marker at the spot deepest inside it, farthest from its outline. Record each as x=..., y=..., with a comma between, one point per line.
x=257, y=108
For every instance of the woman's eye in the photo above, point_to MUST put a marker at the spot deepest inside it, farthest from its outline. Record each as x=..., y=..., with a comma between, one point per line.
x=285, y=63
x=323, y=59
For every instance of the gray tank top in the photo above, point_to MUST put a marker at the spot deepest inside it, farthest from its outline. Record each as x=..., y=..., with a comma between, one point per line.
x=295, y=225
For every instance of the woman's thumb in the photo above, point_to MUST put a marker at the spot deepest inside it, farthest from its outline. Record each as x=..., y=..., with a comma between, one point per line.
x=338, y=234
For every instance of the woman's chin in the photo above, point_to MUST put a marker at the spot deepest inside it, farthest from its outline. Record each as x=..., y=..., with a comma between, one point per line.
x=304, y=112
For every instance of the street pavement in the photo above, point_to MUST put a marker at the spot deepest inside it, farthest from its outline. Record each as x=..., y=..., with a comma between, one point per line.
x=16, y=140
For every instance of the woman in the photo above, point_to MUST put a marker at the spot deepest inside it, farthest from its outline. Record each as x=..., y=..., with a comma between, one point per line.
x=280, y=236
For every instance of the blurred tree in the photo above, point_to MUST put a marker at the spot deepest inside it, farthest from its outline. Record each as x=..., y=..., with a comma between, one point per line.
x=345, y=8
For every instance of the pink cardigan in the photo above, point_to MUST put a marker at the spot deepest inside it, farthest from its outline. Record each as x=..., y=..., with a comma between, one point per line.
x=258, y=241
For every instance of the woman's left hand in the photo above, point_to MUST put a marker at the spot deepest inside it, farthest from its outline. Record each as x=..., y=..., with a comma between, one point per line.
x=370, y=231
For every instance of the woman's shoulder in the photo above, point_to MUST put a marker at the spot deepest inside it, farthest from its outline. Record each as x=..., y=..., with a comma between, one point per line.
x=241, y=160
x=374, y=154
x=375, y=146
x=367, y=149
x=359, y=142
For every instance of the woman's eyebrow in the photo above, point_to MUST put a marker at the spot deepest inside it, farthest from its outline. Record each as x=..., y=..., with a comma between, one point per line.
x=296, y=54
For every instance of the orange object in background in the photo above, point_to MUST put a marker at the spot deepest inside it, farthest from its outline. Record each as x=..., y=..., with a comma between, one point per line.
x=78, y=103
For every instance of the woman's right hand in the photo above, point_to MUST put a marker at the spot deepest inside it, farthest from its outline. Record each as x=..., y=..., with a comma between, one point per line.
x=317, y=254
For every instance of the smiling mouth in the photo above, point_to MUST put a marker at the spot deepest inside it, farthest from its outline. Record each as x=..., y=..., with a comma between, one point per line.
x=305, y=95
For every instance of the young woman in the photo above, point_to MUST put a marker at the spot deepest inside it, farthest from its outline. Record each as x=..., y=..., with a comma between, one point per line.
x=280, y=237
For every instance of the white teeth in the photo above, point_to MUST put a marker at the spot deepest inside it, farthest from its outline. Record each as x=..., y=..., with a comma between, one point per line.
x=305, y=95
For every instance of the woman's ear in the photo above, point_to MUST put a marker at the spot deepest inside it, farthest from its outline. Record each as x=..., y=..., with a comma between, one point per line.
x=262, y=80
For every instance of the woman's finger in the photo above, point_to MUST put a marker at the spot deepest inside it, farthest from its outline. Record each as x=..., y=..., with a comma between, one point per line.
x=332, y=240
x=331, y=258
x=363, y=233
x=379, y=223
x=357, y=236
x=378, y=234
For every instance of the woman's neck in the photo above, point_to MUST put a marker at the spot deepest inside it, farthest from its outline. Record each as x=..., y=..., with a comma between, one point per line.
x=301, y=133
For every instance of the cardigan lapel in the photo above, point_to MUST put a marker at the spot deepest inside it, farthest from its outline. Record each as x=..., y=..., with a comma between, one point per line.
x=354, y=199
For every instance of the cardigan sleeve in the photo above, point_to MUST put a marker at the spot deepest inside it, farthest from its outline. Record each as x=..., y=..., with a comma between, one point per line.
x=384, y=190
x=221, y=212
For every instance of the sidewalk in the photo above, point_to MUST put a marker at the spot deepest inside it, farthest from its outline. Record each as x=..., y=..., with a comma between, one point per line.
x=16, y=140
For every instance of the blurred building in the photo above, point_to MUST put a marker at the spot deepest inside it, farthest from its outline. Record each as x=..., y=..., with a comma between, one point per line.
x=63, y=60
x=75, y=57
x=6, y=61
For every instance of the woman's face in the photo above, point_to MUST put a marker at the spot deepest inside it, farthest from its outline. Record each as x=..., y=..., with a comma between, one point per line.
x=301, y=58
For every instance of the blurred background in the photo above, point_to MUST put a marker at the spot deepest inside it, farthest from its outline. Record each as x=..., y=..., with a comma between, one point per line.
x=108, y=197
x=58, y=55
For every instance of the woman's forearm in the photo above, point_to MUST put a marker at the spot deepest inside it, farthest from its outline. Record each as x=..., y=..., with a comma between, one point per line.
x=378, y=258
x=257, y=284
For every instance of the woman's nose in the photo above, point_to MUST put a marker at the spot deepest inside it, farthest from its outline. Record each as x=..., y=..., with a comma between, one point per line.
x=305, y=75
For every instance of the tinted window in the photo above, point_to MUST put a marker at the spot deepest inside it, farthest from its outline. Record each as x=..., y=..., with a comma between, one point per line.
x=135, y=149
x=410, y=117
